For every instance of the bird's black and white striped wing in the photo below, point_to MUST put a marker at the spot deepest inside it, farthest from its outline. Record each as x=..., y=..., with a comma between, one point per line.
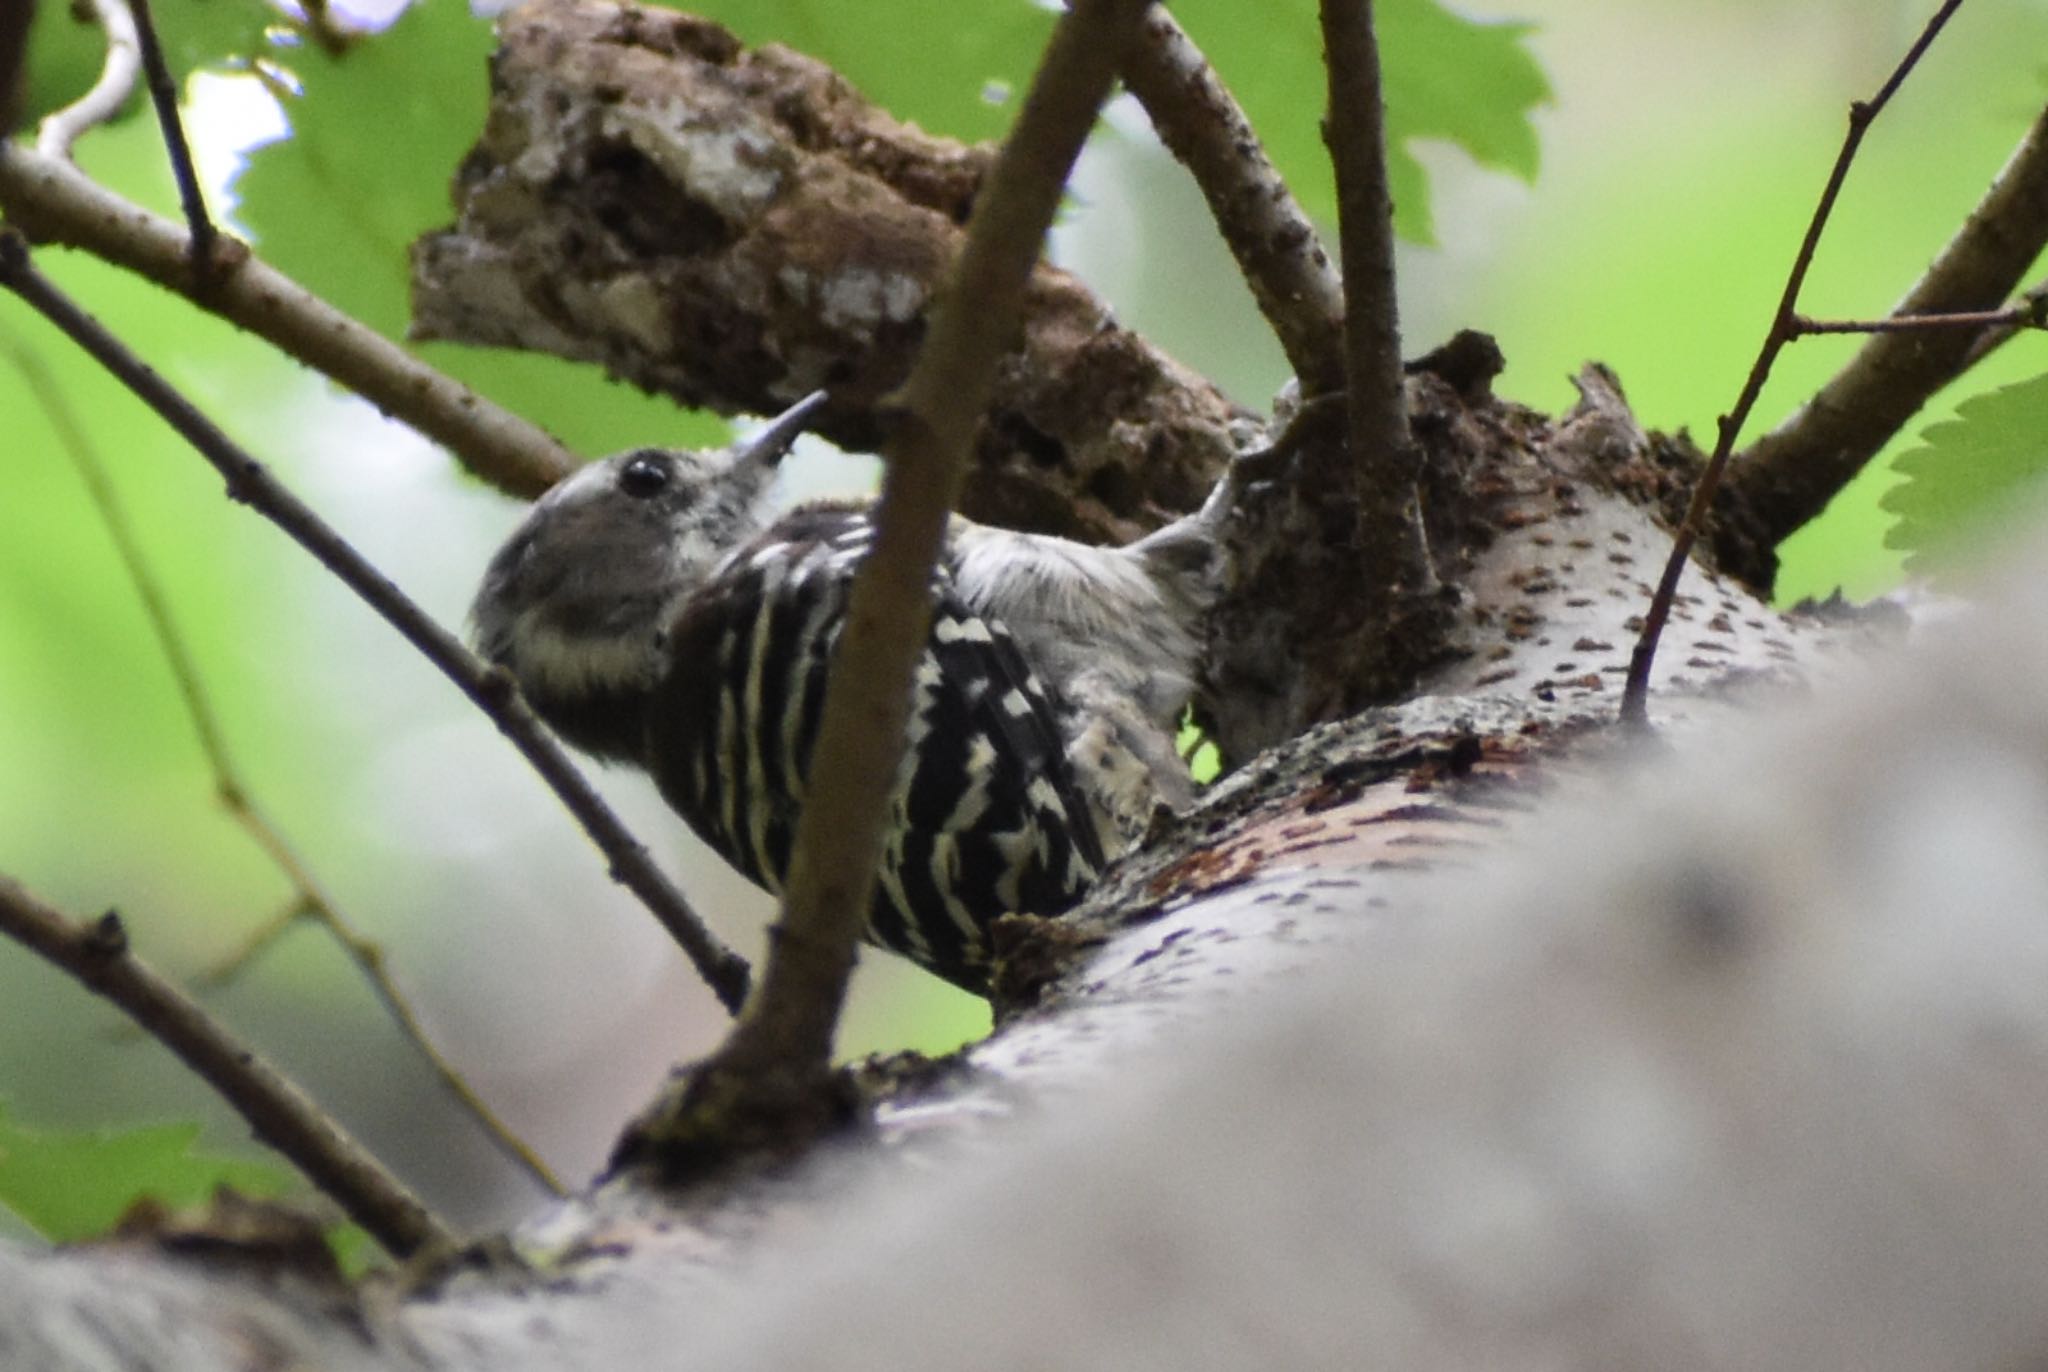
x=986, y=816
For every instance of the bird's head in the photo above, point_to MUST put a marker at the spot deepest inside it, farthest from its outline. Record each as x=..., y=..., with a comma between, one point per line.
x=573, y=605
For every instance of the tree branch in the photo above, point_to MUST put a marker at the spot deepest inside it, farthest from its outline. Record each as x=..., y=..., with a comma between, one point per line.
x=490, y=690
x=52, y=201
x=1789, y=475
x=1355, y=131
x=309, y=900
x=1273, y=240
x=785, y=1036
x=2012, y=319
x=1635, y=692
x=277, y=1111
x=163, y=94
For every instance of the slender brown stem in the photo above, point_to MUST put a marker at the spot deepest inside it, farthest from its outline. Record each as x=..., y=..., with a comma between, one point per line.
x=52, y=201
x=1273, y=240
x=309, y=901
x=163, y=95
x=1790, y=474
x=1635, y=694
x=1355, y=131
x=2034, y=301
x=278, y=1112
x=491, y=690
x=1381, y=467
x=787, y=1029
x=2018, y=317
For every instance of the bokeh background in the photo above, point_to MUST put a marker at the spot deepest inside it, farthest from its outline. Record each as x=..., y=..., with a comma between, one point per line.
x=1680, y=153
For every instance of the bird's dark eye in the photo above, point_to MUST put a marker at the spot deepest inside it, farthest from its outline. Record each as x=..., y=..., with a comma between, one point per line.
x=644, y=476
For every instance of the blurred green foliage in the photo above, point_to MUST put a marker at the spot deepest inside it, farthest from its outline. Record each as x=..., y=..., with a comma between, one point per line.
x=1471, y=83
x=72, y=1186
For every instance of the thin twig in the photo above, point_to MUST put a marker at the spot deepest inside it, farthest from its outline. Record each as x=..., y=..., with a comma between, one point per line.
x=52, y=201
x=2028, y=316
x=1789, y=475
x=786, y=1033
x=1635, y=694
x=491, y=690
x=1381, y=467
x=1273, y=240
x=163, y=94
x=309, y=901
x=118, y=73
x=277, y=1111
x=2033, y=300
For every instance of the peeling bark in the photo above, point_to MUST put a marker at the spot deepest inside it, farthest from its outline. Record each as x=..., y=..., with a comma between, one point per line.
x=735, y=228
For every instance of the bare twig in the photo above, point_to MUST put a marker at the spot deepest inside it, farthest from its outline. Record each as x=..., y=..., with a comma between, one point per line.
x=1789, y=475
x=278, y=1112
x=1635, y=695
x=116, y=83
x=2012, y=319
x=785, y=1036
x=1273, y=240
x=163, y=94
x=491, y=690
x=309, y=901
x=52, y=201
x=2033, y=300
x=1381, y=450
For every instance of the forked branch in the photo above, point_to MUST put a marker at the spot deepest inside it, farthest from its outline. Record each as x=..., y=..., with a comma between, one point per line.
x=1789, y=475
x=1635, y=694
x=490, y=690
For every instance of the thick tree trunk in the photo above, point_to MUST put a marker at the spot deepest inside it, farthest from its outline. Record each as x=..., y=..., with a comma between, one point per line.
x=1441, y=1038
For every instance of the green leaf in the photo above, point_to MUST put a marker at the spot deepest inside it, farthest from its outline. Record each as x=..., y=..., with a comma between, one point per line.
x=1470, y=82
x=955, y=67
x=66, y=50
x=377, y=133
x=69, y=1187
x=1968, y=472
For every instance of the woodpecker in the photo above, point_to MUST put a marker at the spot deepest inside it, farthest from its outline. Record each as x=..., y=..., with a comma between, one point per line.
x=655, y=611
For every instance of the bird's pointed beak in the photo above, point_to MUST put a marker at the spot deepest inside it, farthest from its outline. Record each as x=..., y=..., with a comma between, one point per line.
x=767, y=447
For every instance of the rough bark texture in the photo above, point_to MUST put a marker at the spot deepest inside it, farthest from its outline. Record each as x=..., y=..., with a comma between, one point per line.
x=736, y=228
x=1444, y=1038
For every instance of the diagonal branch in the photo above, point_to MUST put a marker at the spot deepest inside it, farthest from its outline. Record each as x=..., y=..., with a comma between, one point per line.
x=1789, y=475
x=1636, y=690
x=278, y=1112
x=163, y=95
x=309, y=901
x=784, y=1040
x=1269, y=234
x=490, y=690
x=52, y=201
